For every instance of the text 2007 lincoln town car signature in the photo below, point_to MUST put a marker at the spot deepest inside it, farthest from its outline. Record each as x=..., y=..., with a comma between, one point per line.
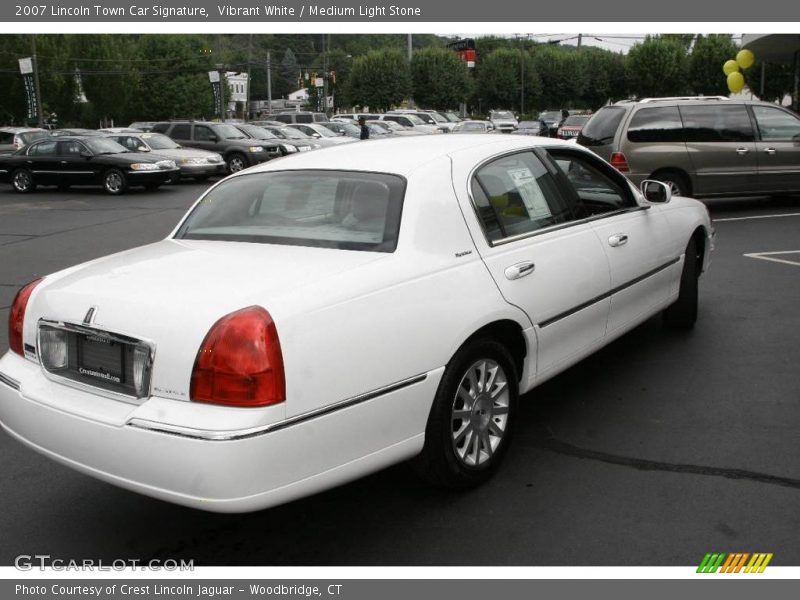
x=320, y=317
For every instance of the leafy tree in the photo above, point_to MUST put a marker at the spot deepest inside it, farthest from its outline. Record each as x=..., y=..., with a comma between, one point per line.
x=563, y=75
x=658, y=67
x=380, y=79
x=778, y=81
x=705, y=64
x=499, y=80
x=603, y=78
x=440, y=79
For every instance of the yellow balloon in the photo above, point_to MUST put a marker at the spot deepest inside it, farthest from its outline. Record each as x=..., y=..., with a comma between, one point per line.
x=745, y=59
x=735, y=82
x=730, y=66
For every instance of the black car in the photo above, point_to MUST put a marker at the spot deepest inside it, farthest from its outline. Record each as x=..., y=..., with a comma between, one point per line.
x=287, y=146
x=67, y=161
x=235, y=146
x=539, y=128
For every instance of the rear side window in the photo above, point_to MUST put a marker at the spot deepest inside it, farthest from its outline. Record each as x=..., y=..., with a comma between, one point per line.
x=301, y=118
x=283, y=118
x=161, y=128
x=717, y=123
x=602, y=127
x=776, y=125
x=346, y=210
x=515, y=195
x=656, y=124
x=181, y=131
x=43, y=149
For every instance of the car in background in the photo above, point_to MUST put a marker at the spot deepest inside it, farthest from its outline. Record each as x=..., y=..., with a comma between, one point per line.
x=395, y=129
x=267, y=123
x=341, y=128
x=142, y=125
x=432, y=117
x=96, y=160
x=14, y=138
x=119, y=130
x=322, y=134
x=503, y=121
x=572, y=126
x=284, y=132
x=356, y=116
x=410, y=121
x=75, y=131
x=473, y=126
x=300, y=116
x=287, y=146
x=553, y=119
x=539, y=128
x=192, y=162
x=208, y=369
x=235, y=147
x=700, y=146
x=450, y=116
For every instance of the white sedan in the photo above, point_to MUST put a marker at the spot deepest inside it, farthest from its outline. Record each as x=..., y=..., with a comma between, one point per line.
x=313, y=320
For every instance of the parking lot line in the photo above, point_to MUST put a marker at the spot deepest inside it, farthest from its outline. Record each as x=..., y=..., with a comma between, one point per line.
x=769, y=256
x=757, y=217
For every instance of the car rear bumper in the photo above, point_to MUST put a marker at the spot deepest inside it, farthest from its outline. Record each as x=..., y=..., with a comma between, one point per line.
x=224, y=471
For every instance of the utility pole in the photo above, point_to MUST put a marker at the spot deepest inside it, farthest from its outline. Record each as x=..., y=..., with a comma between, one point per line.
x=324, y=74
x=580, y=40
x=39, y=109
x=521, y=82
x=223, y=82
x=410, y=50
x=249, y=79
x=269, y=82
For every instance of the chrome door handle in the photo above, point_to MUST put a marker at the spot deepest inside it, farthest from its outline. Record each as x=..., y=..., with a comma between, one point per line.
x=742, y=151
x=618, y=239
x=770, y=151
x=520, y=270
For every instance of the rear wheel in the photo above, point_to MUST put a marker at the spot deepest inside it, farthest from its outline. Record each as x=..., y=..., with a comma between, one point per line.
x=470, y=424
x=114, y=182
x=678, y=183
x=22, y=180
x=683, y=313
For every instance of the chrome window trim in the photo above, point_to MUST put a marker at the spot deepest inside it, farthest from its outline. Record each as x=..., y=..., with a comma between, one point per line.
x=241, y=434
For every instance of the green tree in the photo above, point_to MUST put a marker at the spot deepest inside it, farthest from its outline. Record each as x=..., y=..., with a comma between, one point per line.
x=562, y=72
x=440, y=79
x=499, y=80
x=705, y=64
x=603, y=78
x=380, y=79
x=778, y=81
x=658, y=67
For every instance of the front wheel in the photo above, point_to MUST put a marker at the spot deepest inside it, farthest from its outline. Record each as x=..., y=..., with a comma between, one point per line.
x=22, y=181
x=236, y=162
x=114, y=182
x=471, y=420
x=683, y=313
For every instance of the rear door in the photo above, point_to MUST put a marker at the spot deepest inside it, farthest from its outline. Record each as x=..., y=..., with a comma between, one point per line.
x=542, y=258
x=43, y=161
x=778, y=149
x=722, y=148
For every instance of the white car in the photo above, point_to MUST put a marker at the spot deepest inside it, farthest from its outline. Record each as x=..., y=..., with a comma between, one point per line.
x=311, y=321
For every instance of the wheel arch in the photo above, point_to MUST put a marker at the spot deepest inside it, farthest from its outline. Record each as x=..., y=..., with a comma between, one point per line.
x=680, y=171
x=507, y=332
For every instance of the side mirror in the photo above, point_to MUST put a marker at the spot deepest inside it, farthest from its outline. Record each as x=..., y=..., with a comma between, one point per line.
x=656, y=191
x=143, y=149
x=86, y=154
x=213, y=138
x=316, y=135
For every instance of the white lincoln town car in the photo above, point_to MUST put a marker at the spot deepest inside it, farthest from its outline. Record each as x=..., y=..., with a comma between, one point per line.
x=323, y=316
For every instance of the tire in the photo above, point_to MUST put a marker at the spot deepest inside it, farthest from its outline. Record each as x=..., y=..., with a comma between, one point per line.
x=236, y=162
x=465, y=443
x=682, y=314
x=677, y=182
x=114, y=182
x=22, y=181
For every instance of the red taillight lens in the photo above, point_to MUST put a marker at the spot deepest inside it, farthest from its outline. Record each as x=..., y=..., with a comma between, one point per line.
x=16, y=318
x=619, y=162
x=240, y=361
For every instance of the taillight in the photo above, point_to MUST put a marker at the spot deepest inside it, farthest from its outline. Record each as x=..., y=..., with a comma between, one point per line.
x=16, y=318
x=240, y=362
x=619, y=161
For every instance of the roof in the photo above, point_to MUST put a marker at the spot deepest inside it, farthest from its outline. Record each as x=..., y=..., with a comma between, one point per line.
x=402, y=155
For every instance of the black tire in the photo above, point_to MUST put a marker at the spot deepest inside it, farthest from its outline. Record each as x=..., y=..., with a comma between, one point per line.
x=682, y=314
x=114, y=182
x=22, y=181
x=678, y=182
x=236, y=162
x=460, y=453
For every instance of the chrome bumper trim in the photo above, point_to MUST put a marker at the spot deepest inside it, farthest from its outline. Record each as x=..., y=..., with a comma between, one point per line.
x=12, y=383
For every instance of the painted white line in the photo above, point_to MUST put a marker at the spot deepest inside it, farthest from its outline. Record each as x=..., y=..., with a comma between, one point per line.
x=769, y=256
x=757, y=217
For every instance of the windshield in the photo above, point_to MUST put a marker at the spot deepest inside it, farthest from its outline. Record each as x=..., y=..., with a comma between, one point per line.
x=323, y=131
x=437, y=117
x=288, y=133
x=602, y=127
x=347, y=128
x=472, y=126
x=576, y=120
x=158, y=141
x=257, y=133
x=415, y=119
x=426, y=118
x=550, y=116
x=390, y=125
x=228, y=132
x=502, y=114
x=452, y=117
x=347, y=210
x=99, y=145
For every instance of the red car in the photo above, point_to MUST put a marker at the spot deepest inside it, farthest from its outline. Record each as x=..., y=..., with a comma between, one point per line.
x=572, y=126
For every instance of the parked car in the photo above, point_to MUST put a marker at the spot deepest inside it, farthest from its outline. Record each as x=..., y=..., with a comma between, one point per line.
x=411, y=122
x=285, y=132
x=236, y=148
x=705, y=146
x=287, y=146
x=473, y=126
x=142, y=125
x=553, y=119
x=503, y=121
x=343, y=129
x=95, y=160
x=300, y=116
x=313, y=320
x=192, y=162
x=432, y=117
x=14, y=138
x=75, y=131
x=119, y=130
x=572, y=126
x=532, y=128
x=395, y=129
x=322, y=134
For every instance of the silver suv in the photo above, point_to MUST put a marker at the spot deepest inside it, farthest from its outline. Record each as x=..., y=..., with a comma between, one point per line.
x=700, y=146
x=14, y=138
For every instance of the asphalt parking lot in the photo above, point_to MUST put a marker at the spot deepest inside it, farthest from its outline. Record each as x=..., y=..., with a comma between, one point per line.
x=656, y=450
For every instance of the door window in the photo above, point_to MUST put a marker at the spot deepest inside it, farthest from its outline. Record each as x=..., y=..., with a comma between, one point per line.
x=656, y=124
x=70, y=148
x=43, y=149
x=717, y=123
x=181, y=132
x=203, y=133
x=776, y=125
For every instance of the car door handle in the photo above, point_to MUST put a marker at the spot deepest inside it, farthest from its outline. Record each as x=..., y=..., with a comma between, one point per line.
x=520, y=270
x=742, y=151
x=770, y=151
x=618, y=239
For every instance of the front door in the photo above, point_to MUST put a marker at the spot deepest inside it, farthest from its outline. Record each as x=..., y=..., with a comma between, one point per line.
x=778, y=149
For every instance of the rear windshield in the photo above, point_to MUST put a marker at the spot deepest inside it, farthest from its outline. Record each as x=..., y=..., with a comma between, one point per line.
x=347, y=210
x=602, y=126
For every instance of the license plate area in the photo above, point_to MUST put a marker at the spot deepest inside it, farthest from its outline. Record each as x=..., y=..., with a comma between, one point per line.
x=116, y=364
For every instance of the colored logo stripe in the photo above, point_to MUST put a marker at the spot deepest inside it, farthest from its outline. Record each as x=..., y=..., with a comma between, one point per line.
x=734, y=562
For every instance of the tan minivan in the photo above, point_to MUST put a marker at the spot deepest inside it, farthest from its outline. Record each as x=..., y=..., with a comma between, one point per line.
x=700, y=146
